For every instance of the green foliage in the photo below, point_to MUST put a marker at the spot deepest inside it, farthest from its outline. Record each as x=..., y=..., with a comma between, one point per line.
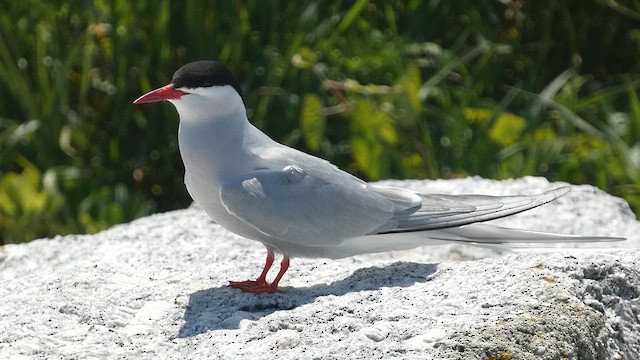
x=28, y=204
x=382, y=89
x=312, y=121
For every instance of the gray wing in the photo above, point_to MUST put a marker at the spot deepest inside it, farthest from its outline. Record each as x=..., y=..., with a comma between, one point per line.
x=314, y=209
x=312, y=202
x=445, y=211
x=408, y=211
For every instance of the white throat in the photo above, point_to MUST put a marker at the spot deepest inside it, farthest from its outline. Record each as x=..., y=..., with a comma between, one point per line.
x=211, y=104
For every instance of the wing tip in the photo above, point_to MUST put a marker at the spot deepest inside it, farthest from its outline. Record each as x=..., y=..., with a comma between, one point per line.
x=561, y=191
x=550, y=195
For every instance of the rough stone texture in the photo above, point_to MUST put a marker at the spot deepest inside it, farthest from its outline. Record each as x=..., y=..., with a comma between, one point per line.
x=157, y=288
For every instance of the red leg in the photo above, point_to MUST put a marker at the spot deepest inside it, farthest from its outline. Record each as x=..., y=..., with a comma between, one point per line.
x=261, y=280
x=269, y=288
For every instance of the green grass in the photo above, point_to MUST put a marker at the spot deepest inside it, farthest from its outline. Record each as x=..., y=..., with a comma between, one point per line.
x=384, y=90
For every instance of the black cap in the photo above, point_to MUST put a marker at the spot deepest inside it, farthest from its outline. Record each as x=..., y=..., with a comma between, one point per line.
x=204, y=73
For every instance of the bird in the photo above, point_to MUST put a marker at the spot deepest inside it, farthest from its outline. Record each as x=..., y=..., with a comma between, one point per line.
x=299, y=205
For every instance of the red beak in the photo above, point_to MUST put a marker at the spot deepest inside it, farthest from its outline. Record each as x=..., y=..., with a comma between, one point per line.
x=167, y=92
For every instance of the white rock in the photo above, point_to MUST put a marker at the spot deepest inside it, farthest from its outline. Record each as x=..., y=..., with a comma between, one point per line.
x=157, y=288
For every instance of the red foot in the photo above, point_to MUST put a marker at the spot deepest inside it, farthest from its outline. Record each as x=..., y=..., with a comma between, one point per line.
x=260, y=285
x=261, y=289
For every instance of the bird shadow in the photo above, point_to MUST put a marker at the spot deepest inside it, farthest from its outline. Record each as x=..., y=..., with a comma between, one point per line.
x=223, y=307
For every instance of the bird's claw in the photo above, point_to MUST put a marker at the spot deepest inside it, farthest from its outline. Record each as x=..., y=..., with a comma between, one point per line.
x=253, y=286
x=260, y=285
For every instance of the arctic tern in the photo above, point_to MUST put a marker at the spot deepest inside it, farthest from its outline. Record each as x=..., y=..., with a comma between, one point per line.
x=298, y=205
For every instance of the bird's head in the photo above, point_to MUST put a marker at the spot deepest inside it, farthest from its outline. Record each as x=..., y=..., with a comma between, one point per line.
x=200, y=89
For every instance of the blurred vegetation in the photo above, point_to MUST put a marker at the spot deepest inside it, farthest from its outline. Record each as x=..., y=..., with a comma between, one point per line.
x=384, y=89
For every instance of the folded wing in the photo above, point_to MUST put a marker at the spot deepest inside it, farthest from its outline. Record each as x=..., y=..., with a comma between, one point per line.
x=307, y=209
x=445, y=211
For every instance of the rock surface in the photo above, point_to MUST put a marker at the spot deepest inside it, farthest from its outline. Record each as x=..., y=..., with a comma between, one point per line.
x=157, y=288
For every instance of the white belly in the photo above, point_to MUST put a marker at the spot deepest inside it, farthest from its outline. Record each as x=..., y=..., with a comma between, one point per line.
x=205, y=192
